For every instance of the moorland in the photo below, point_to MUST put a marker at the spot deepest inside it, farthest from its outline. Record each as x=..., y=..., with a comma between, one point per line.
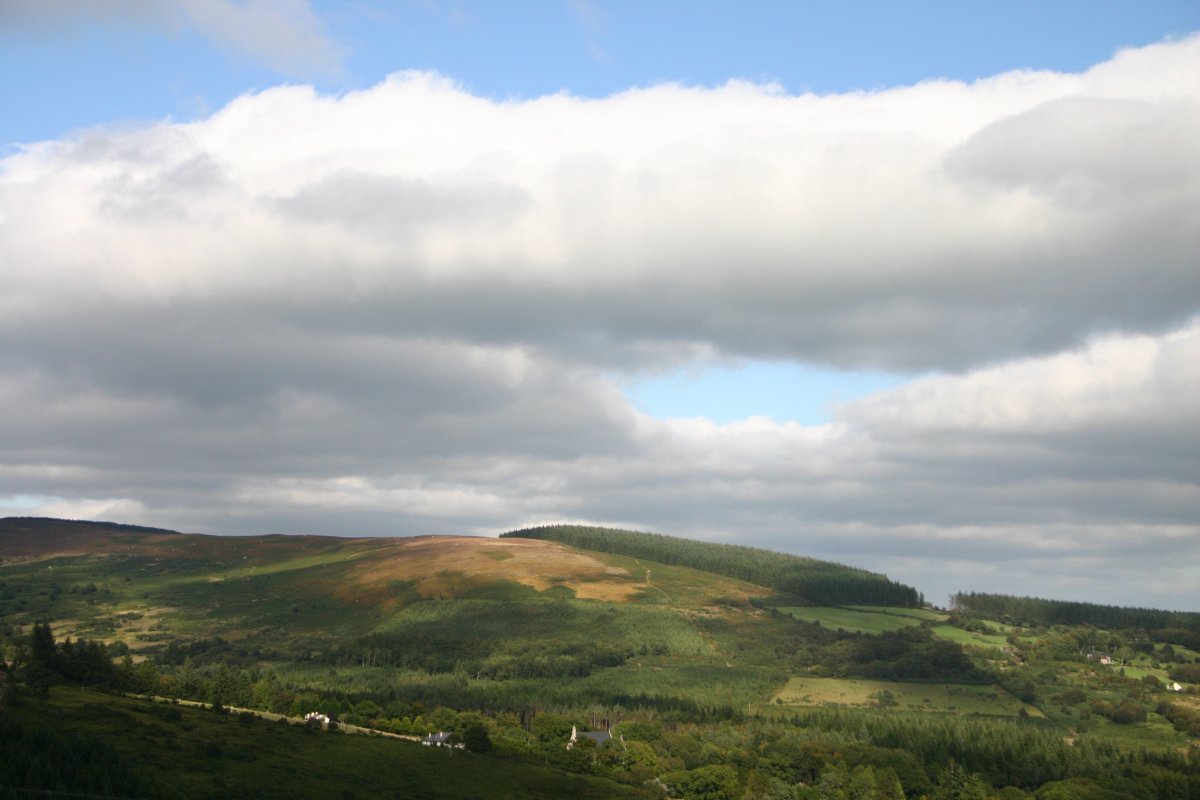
x=140, y=662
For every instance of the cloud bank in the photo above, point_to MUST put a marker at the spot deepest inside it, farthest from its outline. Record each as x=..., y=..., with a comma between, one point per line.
x=406, y=310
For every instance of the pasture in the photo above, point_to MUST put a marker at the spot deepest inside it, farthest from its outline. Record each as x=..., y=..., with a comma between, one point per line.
x=850, y=620
x=923, y=614
x=1141, y=672
x=946, y=698
x=969, y=638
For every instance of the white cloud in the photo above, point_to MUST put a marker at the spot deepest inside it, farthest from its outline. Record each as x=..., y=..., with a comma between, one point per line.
x=1114, y=383
x=936, y=226
x=400, y=310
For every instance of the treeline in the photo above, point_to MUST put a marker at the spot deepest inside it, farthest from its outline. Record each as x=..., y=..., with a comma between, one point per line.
x=48, y=523
x=817, y=582
x=41, y=662
x=1037, y=611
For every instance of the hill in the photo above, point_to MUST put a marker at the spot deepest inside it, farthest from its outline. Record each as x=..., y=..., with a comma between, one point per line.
x=517, y=615
x=1038, y=611
x=717, y=685
x=29, y=537
x=810, y=580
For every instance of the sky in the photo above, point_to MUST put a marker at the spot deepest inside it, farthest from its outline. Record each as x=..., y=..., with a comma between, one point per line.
x=913, y=287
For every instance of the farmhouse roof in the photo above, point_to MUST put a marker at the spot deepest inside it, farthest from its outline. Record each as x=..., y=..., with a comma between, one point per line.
x=599, y=737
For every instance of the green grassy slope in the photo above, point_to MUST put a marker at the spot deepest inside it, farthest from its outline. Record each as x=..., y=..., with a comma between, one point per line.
x=181, y=752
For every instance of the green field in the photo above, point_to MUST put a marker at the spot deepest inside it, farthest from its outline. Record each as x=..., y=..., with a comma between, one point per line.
x=953, y=634
x=850, y=620
x=1141, y=672
x=923, y=614
x=930, y=697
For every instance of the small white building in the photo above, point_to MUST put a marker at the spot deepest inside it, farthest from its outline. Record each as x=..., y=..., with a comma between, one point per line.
x=316, y=717
x=599, y=737
x=439, y=739
x=1174, y=686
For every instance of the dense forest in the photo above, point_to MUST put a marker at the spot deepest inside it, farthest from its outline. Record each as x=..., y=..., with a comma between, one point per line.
x=815, y=582
x=1036, y=611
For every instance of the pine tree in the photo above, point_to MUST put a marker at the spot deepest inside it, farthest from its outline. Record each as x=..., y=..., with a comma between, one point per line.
x=43, y=663
x=887, y=785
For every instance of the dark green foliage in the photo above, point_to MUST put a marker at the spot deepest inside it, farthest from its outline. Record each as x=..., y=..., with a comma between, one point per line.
x=43, y=665
x=209, y=651
x=815, y=582
x=84, y=663
x=1188, y=638
x=1036, y=611
x=51, y=523
x=911, y=654
x=1188, y=673
x=44, y=760
x=475, y=738
x=714, y=782
x=1002, y=752
x=534, y=638
x=1184, y=718
x=122, y=747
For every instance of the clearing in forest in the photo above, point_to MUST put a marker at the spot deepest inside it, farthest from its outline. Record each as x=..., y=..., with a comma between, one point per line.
x=946, y=698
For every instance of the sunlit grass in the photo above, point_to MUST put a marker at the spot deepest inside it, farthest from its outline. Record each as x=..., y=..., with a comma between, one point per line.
x=949, y=698
x=850, y=620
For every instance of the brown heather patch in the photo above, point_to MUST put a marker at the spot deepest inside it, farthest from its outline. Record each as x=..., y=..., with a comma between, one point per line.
x=443, y=566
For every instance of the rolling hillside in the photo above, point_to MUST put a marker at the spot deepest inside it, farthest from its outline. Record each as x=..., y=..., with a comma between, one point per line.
x=527, y=636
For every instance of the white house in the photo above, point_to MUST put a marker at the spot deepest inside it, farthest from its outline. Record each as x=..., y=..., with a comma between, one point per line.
x=599, y=737
x=1174, y=686
x=439, y=739
x=316, y=717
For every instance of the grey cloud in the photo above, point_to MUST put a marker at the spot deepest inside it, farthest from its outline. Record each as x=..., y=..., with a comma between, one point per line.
x=309, y=314
x=285, y=34
x=56, y=17
x=849, y=250
x=390, y=206
x=1087, y=150
x=166, y=194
